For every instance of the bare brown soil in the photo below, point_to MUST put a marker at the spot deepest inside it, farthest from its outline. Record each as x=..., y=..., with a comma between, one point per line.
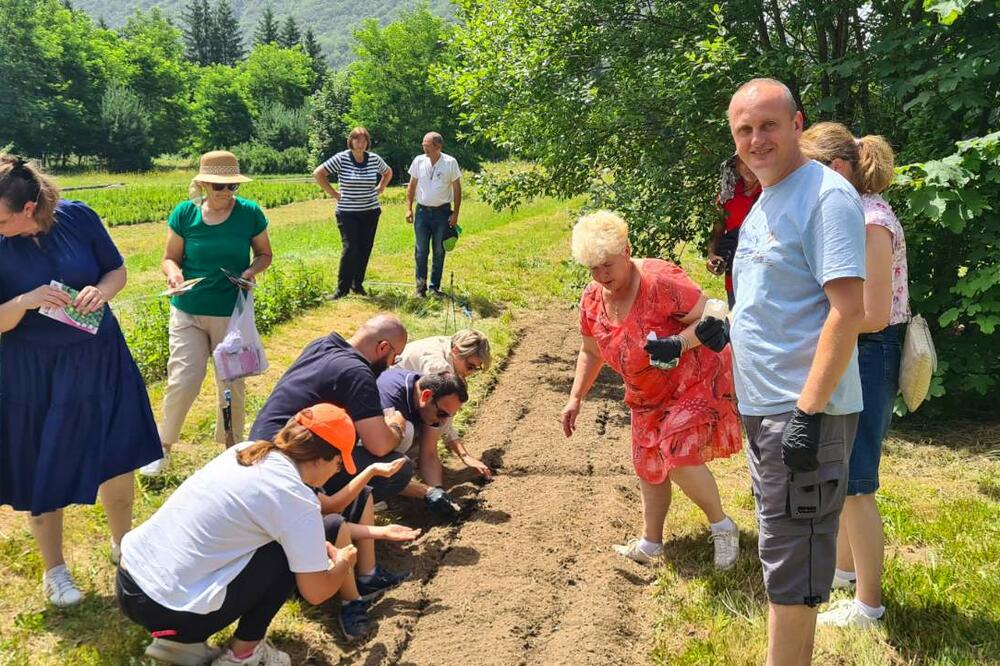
x=527, y=575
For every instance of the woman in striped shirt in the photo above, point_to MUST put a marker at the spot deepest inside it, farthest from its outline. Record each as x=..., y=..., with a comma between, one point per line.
x=362, y=176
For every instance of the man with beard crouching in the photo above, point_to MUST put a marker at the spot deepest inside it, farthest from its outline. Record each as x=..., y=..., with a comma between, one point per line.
x=343, y=372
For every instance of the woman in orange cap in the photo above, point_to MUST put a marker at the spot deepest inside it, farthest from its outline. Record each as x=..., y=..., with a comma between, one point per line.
x=230, y=543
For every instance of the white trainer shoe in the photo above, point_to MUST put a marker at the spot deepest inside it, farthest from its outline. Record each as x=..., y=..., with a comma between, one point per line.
x=846, y=615
x=264, y=654
x=59, y=587
x=157, y=467
x=844, y=583
x=116, y=553
x=634, y=552
x=727, y=547
x=182, y=654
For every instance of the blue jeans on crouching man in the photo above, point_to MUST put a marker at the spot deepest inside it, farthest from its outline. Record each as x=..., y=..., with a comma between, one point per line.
x=430, y=224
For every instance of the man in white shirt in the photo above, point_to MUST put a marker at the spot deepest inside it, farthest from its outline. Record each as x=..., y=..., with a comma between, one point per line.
x=436, y=187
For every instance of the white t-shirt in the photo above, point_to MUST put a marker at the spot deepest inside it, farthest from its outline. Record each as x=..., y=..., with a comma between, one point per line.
x=434, y=180
x=203, y=536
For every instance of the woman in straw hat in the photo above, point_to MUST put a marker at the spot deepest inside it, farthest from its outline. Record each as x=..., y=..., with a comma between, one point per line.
x=75, y=420
x=231, y=542
x=214, y=230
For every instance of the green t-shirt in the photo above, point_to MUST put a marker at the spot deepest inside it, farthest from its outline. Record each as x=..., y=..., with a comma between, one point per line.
x=211, y=247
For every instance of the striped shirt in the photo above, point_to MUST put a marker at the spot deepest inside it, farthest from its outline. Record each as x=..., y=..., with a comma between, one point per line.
x=357, y=181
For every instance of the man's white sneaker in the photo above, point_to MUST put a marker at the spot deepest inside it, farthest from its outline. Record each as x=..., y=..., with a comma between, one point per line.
x=845, y=614
x=633, y=551
x=727, y=547
x=264, y=654
x=60, y=588
x=157, y=467
x=182, y=654
x=116, y=553
x=844, y=583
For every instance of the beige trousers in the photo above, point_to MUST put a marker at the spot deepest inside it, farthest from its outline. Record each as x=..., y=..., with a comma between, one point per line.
x=192, y=340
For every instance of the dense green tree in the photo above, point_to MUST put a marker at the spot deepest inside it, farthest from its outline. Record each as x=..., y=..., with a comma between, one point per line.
x=226, y=41
x=267, y=28
x=290, y=34
x=197, y=20
x=129, y=146
x=281, y=128
x=328, y=127
x=315, y=53
x=272, y=74
x=222, y=117
x=24, y=107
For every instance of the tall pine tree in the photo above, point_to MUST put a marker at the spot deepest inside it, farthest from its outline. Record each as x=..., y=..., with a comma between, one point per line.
x=197, y=19
x=315, y=53
x=227, y=41
x=290, y=33
x=267, y=28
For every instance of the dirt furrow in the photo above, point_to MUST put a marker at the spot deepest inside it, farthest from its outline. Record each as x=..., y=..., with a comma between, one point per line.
x=528, y=577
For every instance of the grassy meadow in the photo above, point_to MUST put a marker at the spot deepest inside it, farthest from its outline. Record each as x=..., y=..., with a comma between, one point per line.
x=940, y=495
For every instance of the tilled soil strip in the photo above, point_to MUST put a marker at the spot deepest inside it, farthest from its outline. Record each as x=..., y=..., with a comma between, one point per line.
x=528, y=577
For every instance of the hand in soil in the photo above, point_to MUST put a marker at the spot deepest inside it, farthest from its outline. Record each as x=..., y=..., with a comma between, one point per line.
x=569, y=414
x=479, y=466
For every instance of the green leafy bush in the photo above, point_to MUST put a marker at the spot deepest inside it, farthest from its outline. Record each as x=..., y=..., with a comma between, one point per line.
x=282, y=293
x=260, y=158
x=282, y=128
x=948, y=208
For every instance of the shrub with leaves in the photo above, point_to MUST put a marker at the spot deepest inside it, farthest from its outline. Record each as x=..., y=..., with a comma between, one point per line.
x=948, y=207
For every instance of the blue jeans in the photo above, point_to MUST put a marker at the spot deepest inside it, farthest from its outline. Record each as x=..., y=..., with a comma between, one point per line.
x=430, y=224
x=878, y=361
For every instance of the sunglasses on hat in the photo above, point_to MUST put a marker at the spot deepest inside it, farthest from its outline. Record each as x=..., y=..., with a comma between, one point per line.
x=232, y=187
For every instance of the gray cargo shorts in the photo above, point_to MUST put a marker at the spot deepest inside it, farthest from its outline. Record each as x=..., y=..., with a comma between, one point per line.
x=798, y=512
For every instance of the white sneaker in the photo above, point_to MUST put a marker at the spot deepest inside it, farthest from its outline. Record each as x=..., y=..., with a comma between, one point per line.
x=116, y=553
x=845, y=614
x=844, y=583
x=182, y=654
x=157, y=467
x=60, y=588
x=264, y=654
x=634, y=552
x=727, y=547
x=380, y=506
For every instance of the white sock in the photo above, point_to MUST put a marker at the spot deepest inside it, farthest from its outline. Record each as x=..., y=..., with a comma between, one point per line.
x=650, y=547
x=365, y=577
x=724, y=525
x=845, y=575
x=870, y=612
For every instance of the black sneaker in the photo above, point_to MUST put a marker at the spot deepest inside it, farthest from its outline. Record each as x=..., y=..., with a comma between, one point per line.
x=353, y=620
x=437, y=293
x=438, y=501
x=337, y=295
x=381, y=582
x=359, y=290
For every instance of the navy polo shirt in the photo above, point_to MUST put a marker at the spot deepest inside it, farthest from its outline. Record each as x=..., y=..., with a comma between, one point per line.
x=328, y=370
x=397, y=388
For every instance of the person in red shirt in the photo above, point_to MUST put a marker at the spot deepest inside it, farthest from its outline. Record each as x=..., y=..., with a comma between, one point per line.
x=738, y=191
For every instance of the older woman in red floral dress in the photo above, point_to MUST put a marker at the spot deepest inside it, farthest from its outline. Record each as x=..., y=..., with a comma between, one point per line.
x=635, y=311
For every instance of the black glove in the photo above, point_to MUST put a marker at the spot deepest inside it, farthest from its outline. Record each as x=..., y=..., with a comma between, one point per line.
x=664, y=350
x=441, y=503
x=713, y=333
x=726, y=247
x=800, y=441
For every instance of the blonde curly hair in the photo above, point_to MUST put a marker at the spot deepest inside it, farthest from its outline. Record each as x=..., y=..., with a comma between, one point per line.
x=598, y=236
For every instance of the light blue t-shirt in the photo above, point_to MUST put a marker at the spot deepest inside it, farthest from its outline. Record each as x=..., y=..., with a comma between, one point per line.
x=803, y=232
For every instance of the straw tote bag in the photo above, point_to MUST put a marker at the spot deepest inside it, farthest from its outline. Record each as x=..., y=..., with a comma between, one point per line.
x=917, y=363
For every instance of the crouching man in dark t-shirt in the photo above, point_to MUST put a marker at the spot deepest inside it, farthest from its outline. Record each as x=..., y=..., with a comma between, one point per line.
x=343, y=372
x=428, y=403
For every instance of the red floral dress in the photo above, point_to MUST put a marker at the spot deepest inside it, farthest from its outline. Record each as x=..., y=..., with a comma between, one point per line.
x=680, y=417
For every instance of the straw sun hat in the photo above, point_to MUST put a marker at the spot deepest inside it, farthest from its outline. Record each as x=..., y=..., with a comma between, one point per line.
x=220, y=166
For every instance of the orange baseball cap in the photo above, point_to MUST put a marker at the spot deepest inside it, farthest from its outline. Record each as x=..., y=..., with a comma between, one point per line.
x=331, y=424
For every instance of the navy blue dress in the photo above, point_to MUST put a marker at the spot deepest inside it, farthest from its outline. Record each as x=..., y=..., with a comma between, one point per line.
x=73, y=408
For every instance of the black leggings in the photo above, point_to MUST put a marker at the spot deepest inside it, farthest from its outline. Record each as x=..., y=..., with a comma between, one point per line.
x=357, y=237
x=254, y=597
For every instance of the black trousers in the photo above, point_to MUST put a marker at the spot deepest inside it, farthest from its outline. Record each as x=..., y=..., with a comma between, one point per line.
x=254, y=597
x=357, y=237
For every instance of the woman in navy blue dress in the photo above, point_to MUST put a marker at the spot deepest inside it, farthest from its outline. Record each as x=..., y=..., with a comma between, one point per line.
x=74, y=414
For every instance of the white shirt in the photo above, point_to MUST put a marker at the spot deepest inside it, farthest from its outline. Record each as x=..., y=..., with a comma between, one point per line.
x=434, y=180
x=204, y=535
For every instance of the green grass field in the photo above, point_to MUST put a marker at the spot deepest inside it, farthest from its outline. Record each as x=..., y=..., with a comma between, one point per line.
x=940, y=497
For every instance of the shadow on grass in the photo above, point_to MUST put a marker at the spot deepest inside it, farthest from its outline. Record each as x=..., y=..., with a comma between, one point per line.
x=941, y=633
x=395, y=298
x=957, y=435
